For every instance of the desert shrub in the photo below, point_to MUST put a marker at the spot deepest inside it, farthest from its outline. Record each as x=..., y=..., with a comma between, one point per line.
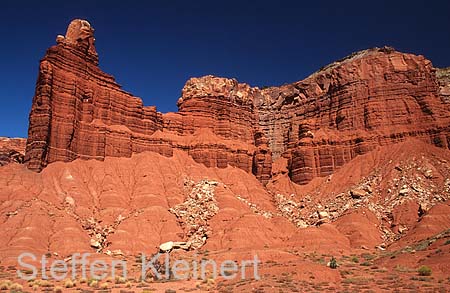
x=357, y=281
x=368, y=256
x=333, y=263
x=437, y=141
x=120, y=280
x=15, y=287
x=68, y=283
x=339, y=119
x=403, y=269
x=427, y=111
x=93, y=283
x=355, y=259
x=45, y=283
x=104, y=286
x=359, y=140
x=424, y=271
x=58, y=289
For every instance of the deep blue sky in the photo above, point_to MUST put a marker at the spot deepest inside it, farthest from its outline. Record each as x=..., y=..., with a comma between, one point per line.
x=153, y=48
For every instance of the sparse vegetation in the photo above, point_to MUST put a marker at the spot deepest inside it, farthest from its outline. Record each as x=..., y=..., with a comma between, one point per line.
x=4, y=285
x=339, y=119
x=16, y=288
x=438, y=141
x=422, y=245
x=427, y=111
x=403, y=269
x=120, y=280
x=368, y=256
x=58, y=289
x=333, y=263
x=357, y=281
x=93, y=283
x=44, y=283
x=424, y=271
x=68, y=283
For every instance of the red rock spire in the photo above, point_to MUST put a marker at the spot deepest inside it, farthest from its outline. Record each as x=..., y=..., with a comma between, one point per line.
x=80, y=35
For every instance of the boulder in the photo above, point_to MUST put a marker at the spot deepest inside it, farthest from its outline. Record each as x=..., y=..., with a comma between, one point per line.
x=357, y=193
x=166, y=246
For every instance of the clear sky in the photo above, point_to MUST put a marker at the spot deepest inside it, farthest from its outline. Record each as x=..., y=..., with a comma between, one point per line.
x=153, y=47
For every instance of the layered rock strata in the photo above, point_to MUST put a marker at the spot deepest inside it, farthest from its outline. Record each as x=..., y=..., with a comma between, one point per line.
x=371, y=98
x=374, y=97
x=12, y=150
x=79, y=111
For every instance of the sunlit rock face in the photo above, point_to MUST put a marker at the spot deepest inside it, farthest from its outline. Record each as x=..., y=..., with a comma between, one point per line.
x=371, y=98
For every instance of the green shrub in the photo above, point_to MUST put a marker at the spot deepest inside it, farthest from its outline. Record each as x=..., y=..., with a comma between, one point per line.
x=355, y=259
x=93, y=283
x=424, y=271
x=333, y=263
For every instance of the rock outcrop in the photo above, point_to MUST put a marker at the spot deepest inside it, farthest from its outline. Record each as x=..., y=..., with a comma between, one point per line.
x=371, y=98
x=443, y=76
x=366, y=138
x=80, y=112
x=374, y=97
x=12, y=150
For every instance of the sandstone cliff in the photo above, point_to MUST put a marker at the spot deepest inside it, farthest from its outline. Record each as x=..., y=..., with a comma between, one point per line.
x=374, y=97
x=371, y=98
x=120, y=179
x=80, y=112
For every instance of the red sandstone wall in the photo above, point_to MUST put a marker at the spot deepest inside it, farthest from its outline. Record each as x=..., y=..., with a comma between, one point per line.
x=80, y=112
x=374, y=97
